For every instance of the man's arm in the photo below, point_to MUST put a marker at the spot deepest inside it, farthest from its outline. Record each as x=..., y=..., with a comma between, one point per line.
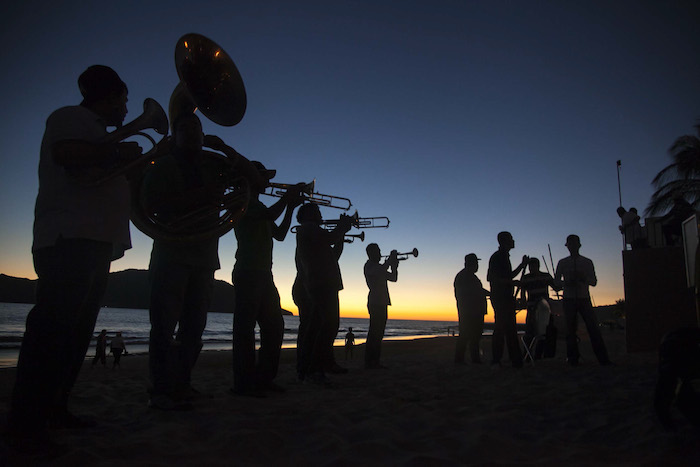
x=76, y=154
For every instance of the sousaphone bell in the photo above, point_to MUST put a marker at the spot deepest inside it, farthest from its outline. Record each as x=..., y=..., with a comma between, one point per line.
x=210, y=83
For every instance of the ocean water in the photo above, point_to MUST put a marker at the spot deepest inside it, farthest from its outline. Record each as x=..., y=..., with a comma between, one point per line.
x=135, y=326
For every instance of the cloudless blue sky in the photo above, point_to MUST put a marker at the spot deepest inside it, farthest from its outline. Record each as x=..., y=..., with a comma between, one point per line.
x=455, y=119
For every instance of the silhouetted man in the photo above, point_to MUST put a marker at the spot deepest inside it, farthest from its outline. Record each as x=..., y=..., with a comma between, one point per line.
x=181, y=271
x=318, y=252
x=575, y=274
x=536, y=285
x=501, y=277
x=257, y=298
x=471, y=308
x=78, y=230
x=378, y=300
x=101, y=349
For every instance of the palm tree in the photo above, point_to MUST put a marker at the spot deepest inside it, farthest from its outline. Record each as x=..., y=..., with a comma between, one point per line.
x=681, y=179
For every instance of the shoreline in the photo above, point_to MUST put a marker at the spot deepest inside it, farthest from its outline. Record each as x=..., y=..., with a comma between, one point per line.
x=423, y=410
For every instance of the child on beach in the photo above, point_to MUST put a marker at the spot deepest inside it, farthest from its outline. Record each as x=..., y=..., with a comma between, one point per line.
x=349, y=343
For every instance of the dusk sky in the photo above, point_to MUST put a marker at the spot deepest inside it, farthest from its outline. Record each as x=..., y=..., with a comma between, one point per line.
x=455, y=119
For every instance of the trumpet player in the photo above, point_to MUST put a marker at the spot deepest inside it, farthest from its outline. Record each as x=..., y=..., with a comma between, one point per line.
x=257, y=298
x=378, y=300
x=318, y=283
x=78, y=231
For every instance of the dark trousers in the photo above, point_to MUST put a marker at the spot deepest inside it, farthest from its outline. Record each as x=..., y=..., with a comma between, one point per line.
x=180, y=297
x=257, y=301
x=377, y=325
x=505, y=330
x=470, y=329
x=582, y=306
x=323, y=322
x=305, y=307
x=117, y=357
x=72, y=280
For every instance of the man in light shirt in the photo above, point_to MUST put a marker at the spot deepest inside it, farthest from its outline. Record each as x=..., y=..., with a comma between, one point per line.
x=575, y=274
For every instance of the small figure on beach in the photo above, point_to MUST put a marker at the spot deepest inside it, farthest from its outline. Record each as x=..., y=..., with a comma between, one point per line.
x=117, y=347
x=535, y=284
x=79, y=229
x=377, y=275
x=501, y=276
x=318, y=251
x=181, y=271
x=679, y=367
x=349, y=343
x=101, y=349
x=471, y=308
x=257, y=298
x=575, y=274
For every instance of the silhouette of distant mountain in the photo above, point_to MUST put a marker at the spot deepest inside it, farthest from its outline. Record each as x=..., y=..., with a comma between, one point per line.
x=125, y=289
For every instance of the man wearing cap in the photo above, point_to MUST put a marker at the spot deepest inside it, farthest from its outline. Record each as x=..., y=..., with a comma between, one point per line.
x=376, y=276
x=501, y=277
x=257, y=298
x=575, y=274
x=78, y=230
x=471, y=308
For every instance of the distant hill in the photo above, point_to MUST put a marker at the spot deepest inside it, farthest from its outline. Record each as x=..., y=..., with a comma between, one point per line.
x=125, y=289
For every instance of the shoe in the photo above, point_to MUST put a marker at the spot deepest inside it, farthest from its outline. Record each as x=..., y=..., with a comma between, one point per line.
x=336, y=369
x=190, y=394
x=376, y=366
x=253, y=392
x=63, y=419
x=273, y=387
x=318, y=379
x=169, y=403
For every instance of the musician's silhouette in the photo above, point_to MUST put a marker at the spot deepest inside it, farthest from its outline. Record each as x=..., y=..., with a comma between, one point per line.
x=318, y=272
x=257, y=298
x=78, y=230
x=378, y=300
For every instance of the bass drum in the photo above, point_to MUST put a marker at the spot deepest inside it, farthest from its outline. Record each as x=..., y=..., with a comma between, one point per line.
x=163, y=209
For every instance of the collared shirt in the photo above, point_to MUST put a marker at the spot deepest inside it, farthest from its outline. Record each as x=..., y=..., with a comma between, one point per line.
x=470, y=294
x=376, y=276
x=500, y=275
x=64, y=207
x=578, y=274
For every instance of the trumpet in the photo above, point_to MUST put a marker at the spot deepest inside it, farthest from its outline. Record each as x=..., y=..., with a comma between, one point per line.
x=404, y=256
x=360, y=222
x=279, y=189
x=350, y=238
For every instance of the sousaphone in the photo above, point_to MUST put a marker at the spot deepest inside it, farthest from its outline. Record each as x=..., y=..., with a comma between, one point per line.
x=210, y=83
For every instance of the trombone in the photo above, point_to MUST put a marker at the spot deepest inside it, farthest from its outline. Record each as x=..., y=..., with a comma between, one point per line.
x=279, y=189
x=404, y=256
x=360, y=222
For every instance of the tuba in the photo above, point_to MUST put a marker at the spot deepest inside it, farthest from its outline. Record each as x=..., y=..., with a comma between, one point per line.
x=211, y=83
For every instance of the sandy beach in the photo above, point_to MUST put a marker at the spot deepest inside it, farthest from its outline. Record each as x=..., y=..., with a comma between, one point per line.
x=423, y=410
